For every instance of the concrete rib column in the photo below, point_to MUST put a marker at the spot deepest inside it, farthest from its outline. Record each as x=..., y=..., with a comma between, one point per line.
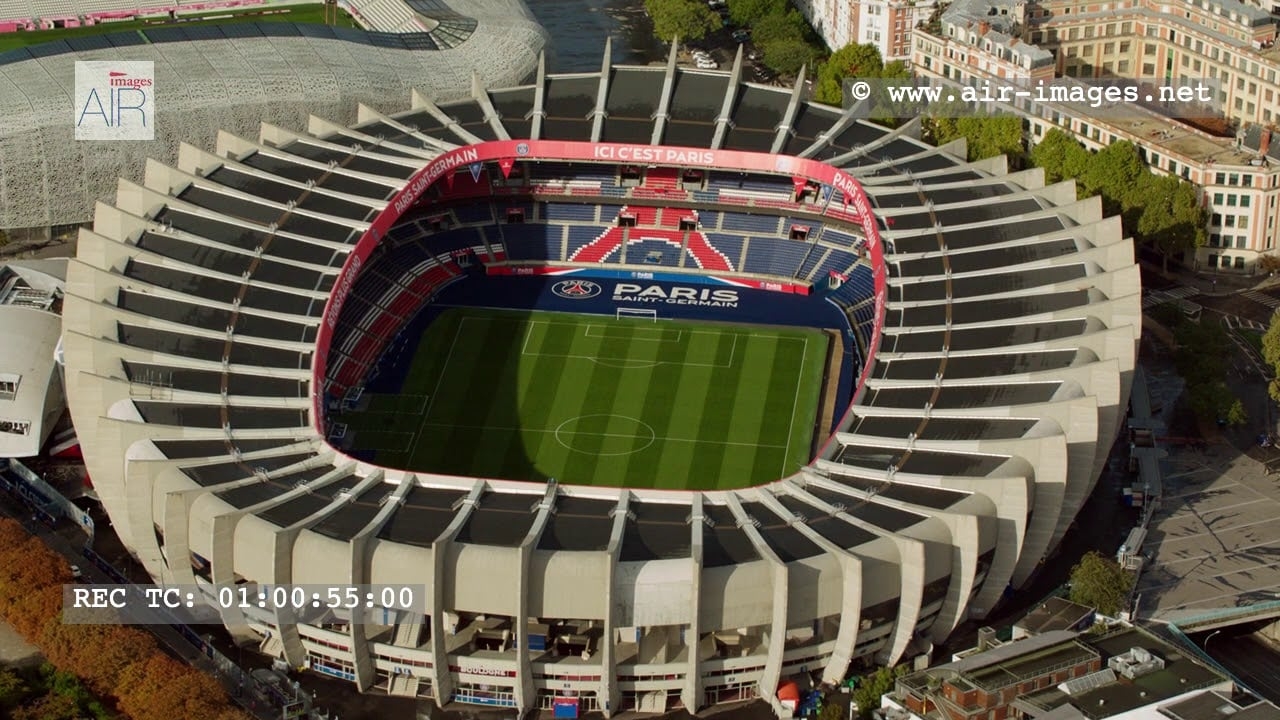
x=668, y=87
x=366, y=670
x=851, y=583
x=282, y=574
x=223, y=544
x=441, y=680
x=609, y=694
x=526, y=694
x=772, y=675
x=691, y=696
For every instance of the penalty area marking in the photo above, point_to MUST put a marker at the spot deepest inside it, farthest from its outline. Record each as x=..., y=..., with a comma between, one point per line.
x=628, y=363
x=679, y=334
x=640, y=425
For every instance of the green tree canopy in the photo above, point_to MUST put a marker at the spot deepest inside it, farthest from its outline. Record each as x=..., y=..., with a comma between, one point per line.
x=985, y=136
x=778, y=27
x=851, y=61
x=688, y=19
x=1100, y=583
x=1114, y=172
x=1061, y=156
x=1271, y=354
x=868, y=692
x=1169, y=215
x=748, y=12
x=787, y=56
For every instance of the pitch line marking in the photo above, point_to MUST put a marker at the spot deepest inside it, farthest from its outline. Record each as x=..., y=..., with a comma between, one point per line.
x=656, y=439
x=652, y=435
x=795, y=401
x=605, y=334
x=435, y=392
x=628, y=363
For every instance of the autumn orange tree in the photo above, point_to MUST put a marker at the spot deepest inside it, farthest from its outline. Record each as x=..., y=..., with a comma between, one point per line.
x=114, y=661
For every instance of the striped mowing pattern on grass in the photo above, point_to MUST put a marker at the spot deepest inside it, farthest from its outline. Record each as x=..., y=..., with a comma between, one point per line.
x=594, y=400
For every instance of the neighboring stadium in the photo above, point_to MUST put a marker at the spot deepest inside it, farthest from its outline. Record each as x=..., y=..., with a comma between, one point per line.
x=260, y=341
x=231, y=77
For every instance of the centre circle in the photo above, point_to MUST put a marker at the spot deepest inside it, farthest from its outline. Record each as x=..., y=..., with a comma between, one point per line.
x=605, y=435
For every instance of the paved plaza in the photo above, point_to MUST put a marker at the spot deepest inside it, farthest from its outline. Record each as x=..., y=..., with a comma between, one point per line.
x=1215, y=540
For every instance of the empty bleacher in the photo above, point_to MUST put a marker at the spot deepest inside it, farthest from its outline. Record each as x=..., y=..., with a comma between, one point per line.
x=532, y=241
x=579, y=237
x=576, y=212
x=774, y=256
x=706, y=255
x=763, y=224
x=601, y=248
x=474, y=213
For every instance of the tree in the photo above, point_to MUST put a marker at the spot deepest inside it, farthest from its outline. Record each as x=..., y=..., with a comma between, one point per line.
x=1169, y=216
x=851, y=61
x=1100, y=583
x=117, y=648
x=161, y=688
x=868, y=693
x=1061, y=156
x=778, y=27
x=688, y=19
x=787, y=56
x=985, y=136
x=1271, y=354
x=749, y=12
x=12, y=688
x=50, y=707
x=1113, y=172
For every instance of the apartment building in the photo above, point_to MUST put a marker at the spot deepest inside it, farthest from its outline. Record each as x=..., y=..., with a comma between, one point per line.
x=886, y=24
x=1224, y=41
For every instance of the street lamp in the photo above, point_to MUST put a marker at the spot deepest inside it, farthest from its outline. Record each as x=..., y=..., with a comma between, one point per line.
x=1205, y=644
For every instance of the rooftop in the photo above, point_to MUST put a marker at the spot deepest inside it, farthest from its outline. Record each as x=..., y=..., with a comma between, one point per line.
x=1054, y=614
x=1101, y=695
x=1219, y=706
x=1180, y=675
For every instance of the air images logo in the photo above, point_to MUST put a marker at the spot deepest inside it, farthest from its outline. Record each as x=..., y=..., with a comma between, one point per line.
x=115, y=100
x=575, y=289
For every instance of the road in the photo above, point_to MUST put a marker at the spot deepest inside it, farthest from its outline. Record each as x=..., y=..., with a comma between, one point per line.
x=1253, y=661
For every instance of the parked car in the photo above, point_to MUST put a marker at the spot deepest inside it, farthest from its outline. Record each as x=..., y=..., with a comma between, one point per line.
x=741, y=35
x=707, y=64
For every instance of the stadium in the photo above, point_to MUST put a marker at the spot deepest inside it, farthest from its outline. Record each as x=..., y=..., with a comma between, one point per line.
x=666, y=385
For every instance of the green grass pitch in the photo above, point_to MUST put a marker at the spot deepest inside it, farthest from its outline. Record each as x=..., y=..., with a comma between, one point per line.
x=594, y=400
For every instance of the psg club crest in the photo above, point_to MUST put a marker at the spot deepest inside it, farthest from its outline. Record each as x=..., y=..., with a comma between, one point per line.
x=575, y=289
x=522, y=149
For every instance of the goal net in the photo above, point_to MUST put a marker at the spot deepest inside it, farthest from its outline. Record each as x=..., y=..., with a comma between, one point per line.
x=640, y=313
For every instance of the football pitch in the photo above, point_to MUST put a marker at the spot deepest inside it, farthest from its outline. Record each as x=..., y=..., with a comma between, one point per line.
x=594, y=400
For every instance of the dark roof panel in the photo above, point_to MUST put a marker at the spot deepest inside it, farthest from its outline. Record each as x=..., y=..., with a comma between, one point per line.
x=578, y=524
x=500, y=519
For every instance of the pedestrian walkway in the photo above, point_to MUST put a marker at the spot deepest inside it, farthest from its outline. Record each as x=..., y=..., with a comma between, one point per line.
x=1160, y=297
x=1263, y=298
x=1238, y=323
